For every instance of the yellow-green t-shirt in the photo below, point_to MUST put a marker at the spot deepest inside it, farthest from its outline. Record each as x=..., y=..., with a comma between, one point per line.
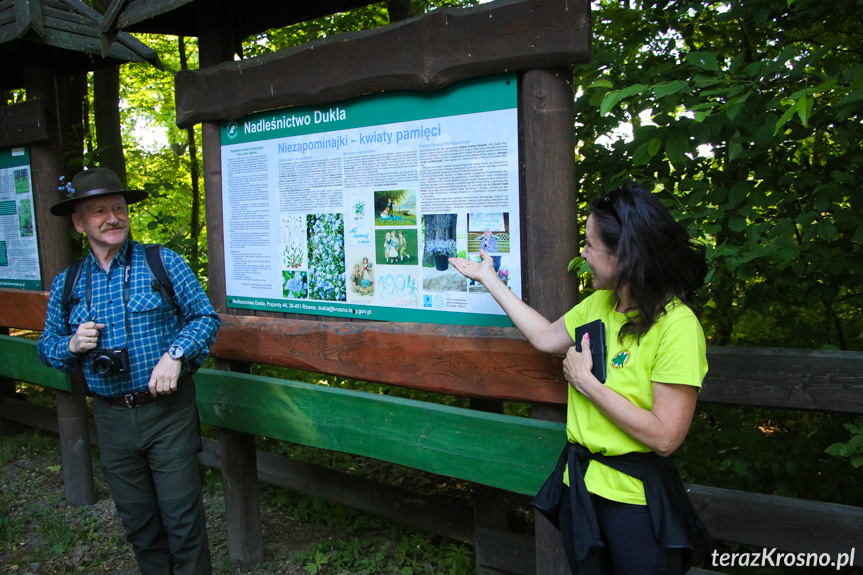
x=673, y=351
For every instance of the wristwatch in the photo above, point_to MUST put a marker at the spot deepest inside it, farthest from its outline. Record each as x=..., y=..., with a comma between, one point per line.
x=175, y=352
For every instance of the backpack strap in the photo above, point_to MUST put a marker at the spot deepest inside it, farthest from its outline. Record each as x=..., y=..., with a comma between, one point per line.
x=73, y=272
x=161, y=281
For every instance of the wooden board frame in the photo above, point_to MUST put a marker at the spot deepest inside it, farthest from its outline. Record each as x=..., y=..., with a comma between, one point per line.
x=447, y=45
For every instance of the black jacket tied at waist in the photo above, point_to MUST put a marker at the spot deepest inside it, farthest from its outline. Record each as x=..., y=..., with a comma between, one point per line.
x=674, y=519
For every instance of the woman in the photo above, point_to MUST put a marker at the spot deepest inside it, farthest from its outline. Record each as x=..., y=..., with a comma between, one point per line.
x=615, y=467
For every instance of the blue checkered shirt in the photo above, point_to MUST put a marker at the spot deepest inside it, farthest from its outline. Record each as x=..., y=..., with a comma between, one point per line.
x=153, y=327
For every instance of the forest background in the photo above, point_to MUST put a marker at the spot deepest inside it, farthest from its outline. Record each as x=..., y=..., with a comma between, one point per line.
x=745, y=118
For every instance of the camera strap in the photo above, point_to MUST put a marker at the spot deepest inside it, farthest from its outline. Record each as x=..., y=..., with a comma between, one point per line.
x=127, y=288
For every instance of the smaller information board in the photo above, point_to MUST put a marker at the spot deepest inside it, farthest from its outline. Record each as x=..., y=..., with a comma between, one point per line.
x=19, y=251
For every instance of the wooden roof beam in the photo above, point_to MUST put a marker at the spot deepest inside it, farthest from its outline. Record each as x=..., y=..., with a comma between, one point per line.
x=28, y=16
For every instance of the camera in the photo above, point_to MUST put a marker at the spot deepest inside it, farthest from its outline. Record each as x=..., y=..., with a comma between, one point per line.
x=109, y=361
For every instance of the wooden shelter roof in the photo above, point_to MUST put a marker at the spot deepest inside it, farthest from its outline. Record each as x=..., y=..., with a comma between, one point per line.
x=64, y=33
x=248, y=17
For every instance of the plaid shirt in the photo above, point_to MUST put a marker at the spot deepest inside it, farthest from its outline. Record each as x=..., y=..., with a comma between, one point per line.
x=152, y=325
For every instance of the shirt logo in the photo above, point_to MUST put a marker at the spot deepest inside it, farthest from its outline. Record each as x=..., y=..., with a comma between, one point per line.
x=621, y=359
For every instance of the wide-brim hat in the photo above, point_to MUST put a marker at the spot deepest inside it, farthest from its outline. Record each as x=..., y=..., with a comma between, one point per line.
x=91, y=183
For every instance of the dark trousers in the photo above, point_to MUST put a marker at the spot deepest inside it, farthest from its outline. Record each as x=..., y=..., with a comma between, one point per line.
x=149, y=456
x=631, y=548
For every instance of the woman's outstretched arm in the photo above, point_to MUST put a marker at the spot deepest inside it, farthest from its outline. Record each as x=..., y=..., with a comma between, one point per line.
x=539, y=331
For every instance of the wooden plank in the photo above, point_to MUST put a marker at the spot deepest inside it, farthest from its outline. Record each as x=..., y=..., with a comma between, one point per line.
x=483, y=447
x=792, y=378
x=28, y=16
x=61, y=12
x=444, y=359
x=505, y=551
x=106, y=22
x=22, y=124
x=26, y=413
x=181, y=17
x=88, y=44
x=19, y=360
x=455, y=360
x=447, y=45
x=7, y=13
x=23, y=309
x=787, y=524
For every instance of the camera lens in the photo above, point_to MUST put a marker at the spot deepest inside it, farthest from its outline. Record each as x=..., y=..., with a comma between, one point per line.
x=103, y=365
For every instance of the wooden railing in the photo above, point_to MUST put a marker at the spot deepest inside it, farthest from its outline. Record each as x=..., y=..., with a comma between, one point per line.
x=509, y=455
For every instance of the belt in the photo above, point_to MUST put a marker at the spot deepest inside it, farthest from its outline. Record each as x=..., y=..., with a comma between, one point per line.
x=130, y=399
x=142, y=397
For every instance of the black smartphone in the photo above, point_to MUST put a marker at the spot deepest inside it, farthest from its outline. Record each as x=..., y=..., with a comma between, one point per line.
x=596, y=331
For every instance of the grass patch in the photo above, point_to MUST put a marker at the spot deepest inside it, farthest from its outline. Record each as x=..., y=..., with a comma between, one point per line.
x=25, y=445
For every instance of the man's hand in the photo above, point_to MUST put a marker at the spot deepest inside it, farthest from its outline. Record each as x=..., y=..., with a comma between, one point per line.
x=163, y=380
x=86, y=337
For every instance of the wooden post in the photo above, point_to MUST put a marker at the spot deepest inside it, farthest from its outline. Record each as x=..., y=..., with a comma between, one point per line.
x=54, y=255
x=240, y=483
x=550, y=218
x=549, y=547
x=239, y=463
x=7, y=389
x=73, y=429
x=490, y=509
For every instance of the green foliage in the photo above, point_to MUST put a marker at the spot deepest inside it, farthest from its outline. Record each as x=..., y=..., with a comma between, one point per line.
x=853, y=448
x=400, y=553
x=24, y=445
x=777, y=452
x=157, y=155
x=745, y=116
x=7, y=530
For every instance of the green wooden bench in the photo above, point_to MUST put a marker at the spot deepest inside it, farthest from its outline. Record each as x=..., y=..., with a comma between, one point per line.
x=504, y=453
x=466, y=444
x=20, y=361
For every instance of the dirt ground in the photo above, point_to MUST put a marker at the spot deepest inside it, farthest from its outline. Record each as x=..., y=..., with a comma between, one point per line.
x=40, y=534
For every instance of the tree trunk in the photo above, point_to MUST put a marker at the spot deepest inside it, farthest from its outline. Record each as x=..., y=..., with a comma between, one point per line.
x=74, y=122
x=195, y=223
x=106, y=110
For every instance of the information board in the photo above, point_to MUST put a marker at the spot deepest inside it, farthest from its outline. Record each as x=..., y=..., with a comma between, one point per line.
x=19, y=251
x=352, y=209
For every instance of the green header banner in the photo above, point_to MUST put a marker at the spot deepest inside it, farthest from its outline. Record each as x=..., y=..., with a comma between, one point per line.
x=469, y=97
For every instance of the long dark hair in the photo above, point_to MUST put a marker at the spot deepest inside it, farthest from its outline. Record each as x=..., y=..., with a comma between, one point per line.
x=657, y=258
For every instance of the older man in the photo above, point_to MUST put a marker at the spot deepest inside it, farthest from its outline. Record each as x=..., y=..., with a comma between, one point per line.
x=488, y=244
x=138, y=355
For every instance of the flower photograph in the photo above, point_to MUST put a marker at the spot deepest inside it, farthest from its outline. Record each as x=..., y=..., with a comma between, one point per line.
x=326, y=240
